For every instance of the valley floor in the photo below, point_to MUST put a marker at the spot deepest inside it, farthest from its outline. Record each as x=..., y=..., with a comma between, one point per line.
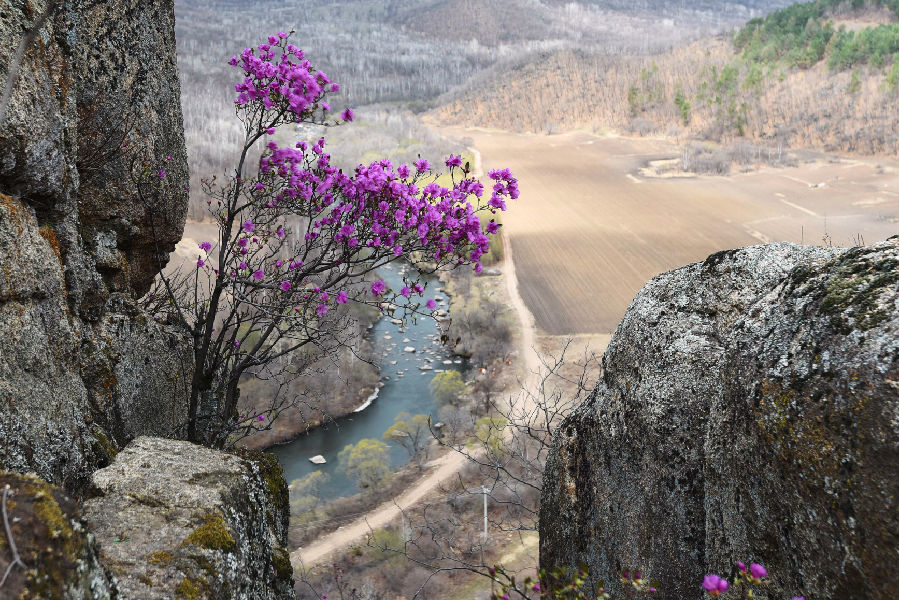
x=589, y=229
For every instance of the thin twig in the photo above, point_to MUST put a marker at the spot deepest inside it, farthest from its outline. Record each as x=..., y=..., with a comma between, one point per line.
x=13, y=73
x=16, y=559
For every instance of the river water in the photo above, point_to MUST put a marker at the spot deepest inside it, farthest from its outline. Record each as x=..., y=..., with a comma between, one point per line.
x=406, y=389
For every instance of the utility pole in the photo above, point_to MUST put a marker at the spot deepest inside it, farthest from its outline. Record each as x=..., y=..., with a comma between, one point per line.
x=485, y=490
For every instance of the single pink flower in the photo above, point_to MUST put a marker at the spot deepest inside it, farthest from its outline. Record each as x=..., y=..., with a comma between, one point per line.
x=757, y=571
x=714, y=585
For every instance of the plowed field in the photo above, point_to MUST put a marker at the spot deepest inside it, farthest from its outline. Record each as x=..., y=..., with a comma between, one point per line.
x=589, y=230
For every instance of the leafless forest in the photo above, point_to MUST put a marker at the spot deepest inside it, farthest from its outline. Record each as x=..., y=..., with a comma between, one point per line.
x=410, y=52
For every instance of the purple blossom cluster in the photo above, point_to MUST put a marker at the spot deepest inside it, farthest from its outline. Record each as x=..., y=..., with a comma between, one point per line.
x=278, y=75
x=379, y=206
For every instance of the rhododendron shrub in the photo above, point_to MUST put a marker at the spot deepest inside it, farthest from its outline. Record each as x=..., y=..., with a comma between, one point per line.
x=299, y=242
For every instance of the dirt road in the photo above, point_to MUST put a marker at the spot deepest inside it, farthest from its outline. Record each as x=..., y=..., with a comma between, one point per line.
x=444, y=467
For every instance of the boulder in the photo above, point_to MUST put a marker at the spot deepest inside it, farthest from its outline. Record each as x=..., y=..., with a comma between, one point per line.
x=747, y=411
x=177, y=520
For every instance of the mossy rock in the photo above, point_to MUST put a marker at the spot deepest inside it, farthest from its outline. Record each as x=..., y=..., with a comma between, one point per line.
x=281, y=562
x=213, y=534
x=276, y=486
x=191, y=589
x=854, y=289
x=51, y=540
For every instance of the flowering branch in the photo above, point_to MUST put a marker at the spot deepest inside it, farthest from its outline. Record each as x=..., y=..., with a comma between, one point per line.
x=300, y=241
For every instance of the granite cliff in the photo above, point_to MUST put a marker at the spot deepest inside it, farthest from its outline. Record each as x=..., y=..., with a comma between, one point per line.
x=82, y=369
x=101, y=499
x=748, y=410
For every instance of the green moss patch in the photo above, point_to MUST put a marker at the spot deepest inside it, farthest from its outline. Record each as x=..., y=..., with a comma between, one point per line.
x=281, y=562
x=191, y=589
x=160, y=558
x=213, y=534
x=41, y=522
x=275, y=485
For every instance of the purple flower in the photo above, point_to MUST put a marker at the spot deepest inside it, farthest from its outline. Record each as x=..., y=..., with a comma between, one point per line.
x=453, y=161
x=378, y=288
x=402, y=171
x=270, y=131
x=798, y=597
x=285, y=286
x=200, y=262
x=757, y=571
x=431, y=304
x=347, y=115
x=537, y=587
x=260, y=418
x=248, y=226
x=236, y=343
x=742, y=566
x=258, y=275
x=406, y=292
x=161, y=173
x=715, y=585
x=242, y=265
x=321, y=310
x=205, y=246
x=341, y=297
x=280, y=233
x=478, y=268
x=422, y=165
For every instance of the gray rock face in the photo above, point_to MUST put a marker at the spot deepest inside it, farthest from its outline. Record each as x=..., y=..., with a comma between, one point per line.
x=748, y=410
x=82, y=370
x=179, y=520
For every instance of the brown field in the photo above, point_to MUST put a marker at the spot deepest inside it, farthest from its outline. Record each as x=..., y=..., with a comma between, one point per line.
x=588, y=231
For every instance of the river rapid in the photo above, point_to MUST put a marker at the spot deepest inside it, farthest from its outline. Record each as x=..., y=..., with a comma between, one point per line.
x=405, y=379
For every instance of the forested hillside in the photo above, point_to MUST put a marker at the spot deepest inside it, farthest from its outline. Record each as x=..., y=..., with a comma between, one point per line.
x=411, y=51
x=822, y=74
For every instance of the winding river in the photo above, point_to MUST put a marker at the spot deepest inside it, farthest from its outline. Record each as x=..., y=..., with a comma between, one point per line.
x=405, y=377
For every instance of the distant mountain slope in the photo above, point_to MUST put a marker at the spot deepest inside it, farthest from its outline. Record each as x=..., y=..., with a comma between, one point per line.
x=408, y=50
x=814, y=75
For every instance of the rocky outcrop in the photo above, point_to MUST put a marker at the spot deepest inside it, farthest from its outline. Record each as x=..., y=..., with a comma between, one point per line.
x=88, y=88
x=176, y=520
x=748, y=410
x=59, y=559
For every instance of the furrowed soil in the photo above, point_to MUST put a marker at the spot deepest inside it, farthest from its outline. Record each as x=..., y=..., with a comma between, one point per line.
x=589, y=230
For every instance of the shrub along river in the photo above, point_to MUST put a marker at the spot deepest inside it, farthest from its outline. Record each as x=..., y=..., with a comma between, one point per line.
x=406, y=378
